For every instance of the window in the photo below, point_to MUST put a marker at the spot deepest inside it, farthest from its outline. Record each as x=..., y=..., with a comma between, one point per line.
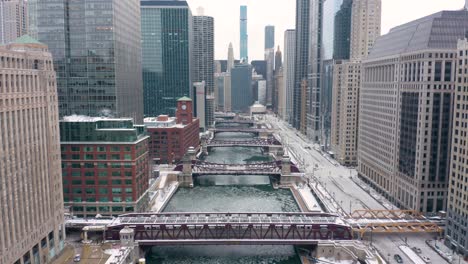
x=116, y=190
x=115, y=149
x=88, y=149
x=101, y=149
x=102, y=190
x=115, y=156
x=75, y=149
x=103, y=174
x=128, y=156
x=116, y=173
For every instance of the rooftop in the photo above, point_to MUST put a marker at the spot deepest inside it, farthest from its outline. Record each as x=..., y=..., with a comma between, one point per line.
x=83, y=118
x=184, y=99
x=26, y=39
x=437, y=31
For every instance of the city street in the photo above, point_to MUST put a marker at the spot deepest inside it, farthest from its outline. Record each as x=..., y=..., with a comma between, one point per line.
x=334, y=177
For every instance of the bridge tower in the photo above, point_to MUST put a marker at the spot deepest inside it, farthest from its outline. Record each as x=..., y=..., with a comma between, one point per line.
x=286, y=175
x=186, y=178
x=127, y=239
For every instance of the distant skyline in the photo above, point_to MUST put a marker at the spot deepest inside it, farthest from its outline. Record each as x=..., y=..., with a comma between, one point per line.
x=282, y=13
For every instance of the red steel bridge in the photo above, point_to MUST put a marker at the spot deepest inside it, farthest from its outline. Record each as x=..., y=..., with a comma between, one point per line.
x=257, y=142
x=274, y=168
x=231, y=228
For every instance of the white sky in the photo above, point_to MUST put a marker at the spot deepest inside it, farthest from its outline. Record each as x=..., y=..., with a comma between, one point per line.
x=281, y=14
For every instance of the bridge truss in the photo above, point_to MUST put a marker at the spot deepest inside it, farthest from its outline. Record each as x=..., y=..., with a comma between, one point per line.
x=208, y=168
x=257, y=142
x=240, y=228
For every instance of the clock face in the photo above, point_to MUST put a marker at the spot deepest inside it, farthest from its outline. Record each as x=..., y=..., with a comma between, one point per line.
x=184, y=107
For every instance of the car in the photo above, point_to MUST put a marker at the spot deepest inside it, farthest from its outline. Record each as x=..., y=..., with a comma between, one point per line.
x=398, y=258
x=77, y=258
x=417, y=250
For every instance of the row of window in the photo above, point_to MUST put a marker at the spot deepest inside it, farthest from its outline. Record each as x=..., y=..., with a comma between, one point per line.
x=96, y=157
x=98, y=149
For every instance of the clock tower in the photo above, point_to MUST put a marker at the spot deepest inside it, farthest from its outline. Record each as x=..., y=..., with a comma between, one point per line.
x=184, y=113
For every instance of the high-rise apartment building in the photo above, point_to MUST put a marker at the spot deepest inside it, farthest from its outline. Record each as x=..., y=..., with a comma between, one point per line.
x=244, y=37
x=406, y=107
x=365, y=28
x=105, y=166
x=288, y=71
x=223, y=91
x=241, y=88
x=309, y=15
x=167, y=28
x=31, y=201
x=457, y=211
x=269, y=37
x=96, y=47
x=13, y=20
x=364, y=25
x=203, y=62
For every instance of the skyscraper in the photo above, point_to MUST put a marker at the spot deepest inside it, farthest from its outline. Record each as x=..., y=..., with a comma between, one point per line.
x=203, y=62
x=270, y=75
x=457, y=231
x=231, y=61
x=13, y=20
x=97, y=54
x=31, y=203
x=309, y=15
x=406, y=109
x=288, y=71
x=278, y=83
x=336, y=28
x=241, y=88
x=167, y=54
x=365, y=24
x=244, y=37
x=269, y=37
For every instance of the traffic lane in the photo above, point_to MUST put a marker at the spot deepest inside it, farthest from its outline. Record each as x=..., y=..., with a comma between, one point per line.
x=388, y=246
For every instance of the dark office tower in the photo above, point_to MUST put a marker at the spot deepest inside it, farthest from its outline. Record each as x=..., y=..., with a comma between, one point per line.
x=269, y=37
x=336, y=47
x=203, y=61
x=260, y=67
x=244, y=37
x=308, y=66
x=97, y=54
x=241, y=88
x=166, y=27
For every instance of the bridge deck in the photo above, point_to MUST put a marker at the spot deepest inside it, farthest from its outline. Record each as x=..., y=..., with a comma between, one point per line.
x=225, y=228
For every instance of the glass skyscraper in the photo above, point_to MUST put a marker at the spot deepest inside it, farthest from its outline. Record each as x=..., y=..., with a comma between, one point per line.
x=269, y=37
x=97, y=54
x=203, y=61
x=166, y=41
x=244, y=37
x=336, y=43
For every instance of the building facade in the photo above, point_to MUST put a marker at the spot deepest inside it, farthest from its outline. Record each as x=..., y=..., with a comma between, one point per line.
x=199, y=106
x=346, y=71
x=288, y=71
x=281, y=95
x=13, y=20
x=244, y=37
x=309, y=17
x=269, y=37
x=104, y=166
x=270, y=76
x=171, y=137
x=241, y=88
x=31, y=201
x=203, y=61
x=406, y=109
x=97, y=54
x=167, y=28
x=457, y=211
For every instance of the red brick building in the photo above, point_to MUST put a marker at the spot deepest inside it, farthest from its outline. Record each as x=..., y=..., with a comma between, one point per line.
x=104, y=166
x=170, y=137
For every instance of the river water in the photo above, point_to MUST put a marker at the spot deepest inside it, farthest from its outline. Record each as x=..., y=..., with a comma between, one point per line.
x=229, y=194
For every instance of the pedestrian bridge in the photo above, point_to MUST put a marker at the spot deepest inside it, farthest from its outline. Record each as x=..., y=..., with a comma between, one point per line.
x=231, y=228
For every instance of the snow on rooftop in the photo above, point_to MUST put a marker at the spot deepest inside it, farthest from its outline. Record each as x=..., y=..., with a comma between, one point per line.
x=83, y=118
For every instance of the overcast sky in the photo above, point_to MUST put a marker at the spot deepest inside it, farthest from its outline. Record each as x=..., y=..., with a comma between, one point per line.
x=281, y=14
